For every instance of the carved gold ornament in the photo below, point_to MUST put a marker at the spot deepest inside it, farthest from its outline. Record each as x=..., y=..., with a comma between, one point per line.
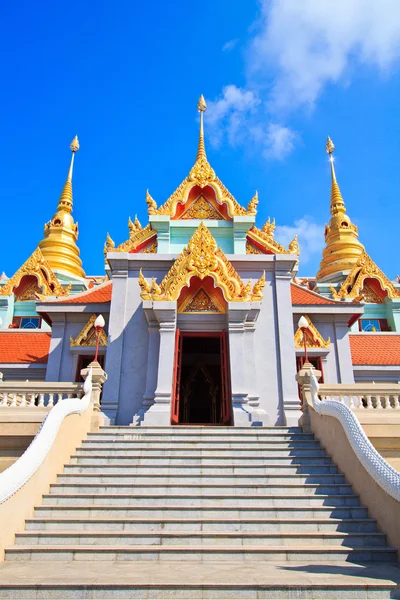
x=138, y=236
x=202, y=209
x=37, y=266
x=201, y=258
x=354, y=286
x=313, y=337
x=87, y=336
x=151, y=204
x=265, y=238
x=252, y=205
x=201, y=302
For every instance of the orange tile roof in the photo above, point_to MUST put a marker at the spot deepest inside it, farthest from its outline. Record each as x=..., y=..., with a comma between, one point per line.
x=100, y=293
x=24, y=347
x=301, y=295
x=375, y=349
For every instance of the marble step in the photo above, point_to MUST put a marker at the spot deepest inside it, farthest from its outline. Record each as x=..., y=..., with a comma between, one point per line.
x=199, y=430
x=186, y=479
x=223, y=500
x=198, y=445
x=199, y=453
x=203, y=490
x=201, y=553
x=199, y=538
x=244, y=580
x=198, y=511
x=254, y=437
x=318, y=458
x=327, y=467
x=323, y=525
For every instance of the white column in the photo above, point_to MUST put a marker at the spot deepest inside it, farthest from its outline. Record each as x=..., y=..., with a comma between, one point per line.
x=285, y=347
x=237, y=313
x=159, y=412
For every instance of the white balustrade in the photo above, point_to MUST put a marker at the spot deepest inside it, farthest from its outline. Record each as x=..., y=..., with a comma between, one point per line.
x=363, y=396
x=23, y=394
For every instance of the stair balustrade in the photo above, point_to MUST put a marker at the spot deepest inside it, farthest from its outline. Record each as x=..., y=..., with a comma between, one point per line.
x=39, y=394
x=363, y=396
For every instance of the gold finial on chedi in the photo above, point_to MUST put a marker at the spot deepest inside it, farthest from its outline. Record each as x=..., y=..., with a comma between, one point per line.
x=151, y=204
x=201, y=105
x=74, y=145
x=252, y=205
x=329, y=146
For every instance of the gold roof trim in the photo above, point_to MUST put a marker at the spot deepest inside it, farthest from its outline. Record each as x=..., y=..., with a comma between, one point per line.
x=265, y=238
x=37, y=266
x=201, y=174
x=365, y=268
x=202, y=258
x=137, y=236
x=87, y=335
x=313, y=340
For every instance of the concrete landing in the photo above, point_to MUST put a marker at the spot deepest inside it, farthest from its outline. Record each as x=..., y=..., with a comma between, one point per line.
x=148, y=580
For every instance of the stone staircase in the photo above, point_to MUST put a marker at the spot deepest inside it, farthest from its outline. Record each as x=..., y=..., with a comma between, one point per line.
x=201, y=496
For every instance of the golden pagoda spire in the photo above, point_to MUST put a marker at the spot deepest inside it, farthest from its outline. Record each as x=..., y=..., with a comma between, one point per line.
x=342, y=246
x=61, y=233
x=65, y=202
x=201, y=150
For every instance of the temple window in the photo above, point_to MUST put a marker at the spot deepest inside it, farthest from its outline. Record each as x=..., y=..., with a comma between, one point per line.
x=373, y=325
x=26, y=322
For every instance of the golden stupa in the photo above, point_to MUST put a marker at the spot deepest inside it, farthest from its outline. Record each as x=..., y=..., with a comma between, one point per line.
x=61, y=233
x=342, y=246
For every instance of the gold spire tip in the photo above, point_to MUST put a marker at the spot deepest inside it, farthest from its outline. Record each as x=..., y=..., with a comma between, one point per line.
x=74, y=145
x=329, y=146
x=201, y=105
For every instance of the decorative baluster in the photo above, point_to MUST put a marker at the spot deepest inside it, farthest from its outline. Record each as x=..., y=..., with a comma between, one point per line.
x=41, y=399
x=3, y=399
x=50, y=401
x=31, y=399
x=387, y=401
x=13, y=399
x=379, y=403
x=23, y=399
x=369, y=402
x=396, y=402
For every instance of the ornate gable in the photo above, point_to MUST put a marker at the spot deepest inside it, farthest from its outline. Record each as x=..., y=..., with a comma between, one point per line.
x=87, y=336
x=202, y=258
x=47, y=283
x=313, y=338
x=261, y=241
x=200, y=302
x=141, y=239
x=356, y=286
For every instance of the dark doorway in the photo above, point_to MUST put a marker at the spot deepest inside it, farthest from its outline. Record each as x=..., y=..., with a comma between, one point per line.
x=201, y=386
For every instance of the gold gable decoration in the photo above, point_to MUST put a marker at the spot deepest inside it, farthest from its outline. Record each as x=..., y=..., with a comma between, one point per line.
x=202, y=209
x=37, y=266
x=201, y=302
x=138, y=235
x=313, y=339
x=265, y=238
x=354, y=287
x=202, y=258
x=87, y=336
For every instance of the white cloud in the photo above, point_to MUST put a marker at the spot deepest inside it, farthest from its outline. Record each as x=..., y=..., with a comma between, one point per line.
x=306, y=45
x=311, y=237
x=229, y=45
x=229, y=114
x=299, y=48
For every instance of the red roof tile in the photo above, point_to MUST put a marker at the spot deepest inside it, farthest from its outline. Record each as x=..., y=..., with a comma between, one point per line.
x=101, y=293
x=24, y=347
x=301, y=295
x=375, y=349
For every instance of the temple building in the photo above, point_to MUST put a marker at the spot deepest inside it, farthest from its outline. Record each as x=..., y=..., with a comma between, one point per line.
x=201, y=307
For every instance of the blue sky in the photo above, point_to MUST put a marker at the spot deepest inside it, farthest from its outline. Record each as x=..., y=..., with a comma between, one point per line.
x=278, y=75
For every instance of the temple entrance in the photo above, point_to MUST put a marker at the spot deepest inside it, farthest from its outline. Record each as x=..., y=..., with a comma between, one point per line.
x=201, y=380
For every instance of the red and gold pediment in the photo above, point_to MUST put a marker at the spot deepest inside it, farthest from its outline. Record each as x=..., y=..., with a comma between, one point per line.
x=201, y=297
x=202, y=258
x=366, y=282
x=141, y=240
x=34, y=280
x=88, y=335
x=313, y=337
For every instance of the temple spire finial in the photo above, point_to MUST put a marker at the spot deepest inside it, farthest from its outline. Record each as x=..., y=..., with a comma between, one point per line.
x=65, y=201
x=337, y=202
x=201, y=150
